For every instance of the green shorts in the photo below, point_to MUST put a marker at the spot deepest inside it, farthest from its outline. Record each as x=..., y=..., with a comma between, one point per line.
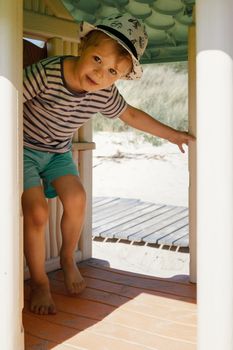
x=47, y=167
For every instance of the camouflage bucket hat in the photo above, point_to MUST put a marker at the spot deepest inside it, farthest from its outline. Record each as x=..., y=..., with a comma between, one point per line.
x=128, y=31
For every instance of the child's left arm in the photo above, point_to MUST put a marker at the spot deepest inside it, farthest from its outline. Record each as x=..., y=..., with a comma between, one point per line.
x=144, y=122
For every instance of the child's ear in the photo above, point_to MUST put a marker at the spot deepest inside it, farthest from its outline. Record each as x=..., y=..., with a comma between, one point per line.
x=82, y=45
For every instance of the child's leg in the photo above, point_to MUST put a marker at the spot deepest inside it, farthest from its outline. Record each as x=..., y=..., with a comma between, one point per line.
x=73, y=198
x=35, y=210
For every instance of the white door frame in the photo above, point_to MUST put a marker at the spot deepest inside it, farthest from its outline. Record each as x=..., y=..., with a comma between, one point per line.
x=11, y=239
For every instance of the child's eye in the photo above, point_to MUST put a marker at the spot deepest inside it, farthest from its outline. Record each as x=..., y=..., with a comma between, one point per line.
x=97, y=59
x=113, y=71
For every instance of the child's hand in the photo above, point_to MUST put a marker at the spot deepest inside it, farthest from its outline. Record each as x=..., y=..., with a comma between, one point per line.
x=180, y=138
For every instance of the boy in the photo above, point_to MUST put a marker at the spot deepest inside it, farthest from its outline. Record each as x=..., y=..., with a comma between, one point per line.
x=61, y=93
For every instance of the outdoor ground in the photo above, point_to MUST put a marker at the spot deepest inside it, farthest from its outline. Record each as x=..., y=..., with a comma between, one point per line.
x=129, y=168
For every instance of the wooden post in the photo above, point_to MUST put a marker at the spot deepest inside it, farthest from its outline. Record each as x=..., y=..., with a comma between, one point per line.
x=192, y=151
x=11, y=238
x=85, y=168
x=55, y=46
x=215, y=174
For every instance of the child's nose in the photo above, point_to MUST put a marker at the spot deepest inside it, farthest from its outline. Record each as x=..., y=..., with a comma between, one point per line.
x=99, y=72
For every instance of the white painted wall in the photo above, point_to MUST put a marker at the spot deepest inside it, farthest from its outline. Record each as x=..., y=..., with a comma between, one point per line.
x=215, y=174
x=11, y=252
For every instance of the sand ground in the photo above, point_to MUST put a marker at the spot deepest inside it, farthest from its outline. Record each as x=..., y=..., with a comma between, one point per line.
x=142, y=259
x=129, y=168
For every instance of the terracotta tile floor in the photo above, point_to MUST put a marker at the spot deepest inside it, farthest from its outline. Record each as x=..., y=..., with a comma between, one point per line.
x=118, y=311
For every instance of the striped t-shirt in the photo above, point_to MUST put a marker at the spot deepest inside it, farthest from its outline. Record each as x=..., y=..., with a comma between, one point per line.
x=53, y=112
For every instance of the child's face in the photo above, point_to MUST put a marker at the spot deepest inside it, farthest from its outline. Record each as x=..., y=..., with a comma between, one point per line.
x=100, y=66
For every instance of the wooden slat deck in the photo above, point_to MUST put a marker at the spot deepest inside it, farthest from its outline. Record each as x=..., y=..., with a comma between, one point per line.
x=137, y=221
x=118, y=310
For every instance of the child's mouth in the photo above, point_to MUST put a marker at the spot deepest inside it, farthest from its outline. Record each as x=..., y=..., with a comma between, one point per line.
x=91, y=81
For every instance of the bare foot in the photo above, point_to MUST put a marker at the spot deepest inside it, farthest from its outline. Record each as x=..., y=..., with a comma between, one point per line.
x=73, y=279
x=41, y=301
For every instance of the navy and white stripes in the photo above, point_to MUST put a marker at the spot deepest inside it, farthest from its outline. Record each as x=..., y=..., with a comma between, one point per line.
x=52, y=112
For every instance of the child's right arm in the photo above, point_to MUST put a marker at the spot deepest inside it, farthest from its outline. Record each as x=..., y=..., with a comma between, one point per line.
x=144, y=122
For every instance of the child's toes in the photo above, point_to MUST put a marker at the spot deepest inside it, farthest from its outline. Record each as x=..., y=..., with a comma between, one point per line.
x=52, y=310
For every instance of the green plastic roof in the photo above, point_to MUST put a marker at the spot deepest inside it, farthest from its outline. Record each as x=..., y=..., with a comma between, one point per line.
x=166, y=22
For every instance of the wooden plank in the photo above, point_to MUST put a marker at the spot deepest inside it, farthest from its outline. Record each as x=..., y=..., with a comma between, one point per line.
x=100, y=208
x=156, y=302
x=49, y=27
x=69, y=320
x=119, y=309
x=141, y=336
x=121, y=202
x=182, y=242
x=115, y=211
x=130, y=292
x=143, y=305
x=65, y=346
x=151, y=226
x=175, y=235
x=102, y=200
x=106, y=200
x=46, y=330
x=102, y=296
x=105, y=287
x=141, y=226
x=82, y=146
x=139, y=282
x=119, y=218
x=82, y=307
x=64, y=318
x=152, y=324
x=104, y=203
x=120, y=215
x=52, y=234
x=33, y=342
x=110, y=229
x=49, y=331
x=90, y=340
x=166, y=228
x=97, y=199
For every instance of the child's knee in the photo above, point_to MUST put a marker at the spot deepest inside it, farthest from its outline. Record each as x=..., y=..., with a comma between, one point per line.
x=79, y=198
x=37, y=215
x=76, y=200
